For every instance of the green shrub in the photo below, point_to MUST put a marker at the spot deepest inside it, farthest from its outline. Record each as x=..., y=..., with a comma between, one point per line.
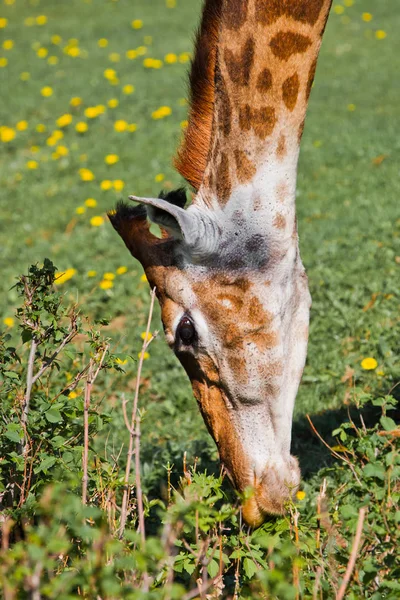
x=62, y=492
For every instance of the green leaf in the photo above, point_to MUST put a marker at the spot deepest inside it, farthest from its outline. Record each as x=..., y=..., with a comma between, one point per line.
x=46, y=464
x=14, y=432
x=213, y=568
x=388, y=424
x=374, y=470
x=53, y=415
x=249, y=566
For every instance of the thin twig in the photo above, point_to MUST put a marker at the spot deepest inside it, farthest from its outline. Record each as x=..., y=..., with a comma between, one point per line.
x=56, y=352
x=353, y=555
x=29, y=382
x=336, y=454
x=91, y=378
x=133, y=437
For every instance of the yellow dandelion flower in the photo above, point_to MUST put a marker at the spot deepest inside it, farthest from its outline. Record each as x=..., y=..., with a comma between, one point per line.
x=111, y=159
x=34, y=149
x=184, y=57
x=97, y=221
x=369, y=364
x=160, y=113
x=91, y=112
x=121, y=362
x=102, y=43
x=339, y=9
x=152, y=63
x=74, y=51
x=143, y=278
x=110, y=73
x=80, y=210
x=8, y=44
x=81, y=127
x=380, y=34
x=128, y=89
x=132, y=127
x=137, y=24
x=146, y=336
x=3, y=61
x=56, y=40
x=86, y=174
x=41, y=128
x=62, y=150
x=32, y=164
x=380, y=373
x=118, y=185
x=42, y=52
x=106, y=184
x=46, y=91
x=7, y=134
x=106, y=284
x=9, y=322
x=348, y=3
x=109, y=276
x=182, y=101
x=72, y=395
x=121, y=270
x=300, y=495
x=25, y=76
x=63, y=276
x=170, y=58
x=51, y=141
x=64, y=120
x=75, y=101
x=113, y=103
x=367, y=17
x=120, y=125
x=91, y=273
x=184, y=124
x=3, y=22
x=351, y=107
x=114, y=57
x=131, y=54
x=101, y=109
x=41, y=20
x=146, y=355
x=53, y=60
x=91, y=202
x=159, y=177
x=170, y=3
x=141, y=50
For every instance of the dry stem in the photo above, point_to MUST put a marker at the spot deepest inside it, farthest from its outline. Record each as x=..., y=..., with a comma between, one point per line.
x=134, y=438
x=353, y=555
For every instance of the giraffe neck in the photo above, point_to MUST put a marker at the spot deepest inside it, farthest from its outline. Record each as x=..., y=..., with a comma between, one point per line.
x=265, y=65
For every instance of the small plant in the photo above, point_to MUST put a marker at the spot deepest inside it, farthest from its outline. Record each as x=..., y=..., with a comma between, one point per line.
x=75, y=521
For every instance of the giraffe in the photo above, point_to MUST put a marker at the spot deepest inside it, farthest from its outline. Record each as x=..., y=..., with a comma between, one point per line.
x=227, y=270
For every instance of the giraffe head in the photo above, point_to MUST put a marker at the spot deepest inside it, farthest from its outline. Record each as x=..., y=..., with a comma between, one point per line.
x=227, y=270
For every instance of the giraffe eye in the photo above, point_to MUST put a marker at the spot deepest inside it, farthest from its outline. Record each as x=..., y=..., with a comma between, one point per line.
x=186, y=331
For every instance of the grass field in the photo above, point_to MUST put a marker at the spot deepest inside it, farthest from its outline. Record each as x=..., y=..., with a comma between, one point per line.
x=82, y=84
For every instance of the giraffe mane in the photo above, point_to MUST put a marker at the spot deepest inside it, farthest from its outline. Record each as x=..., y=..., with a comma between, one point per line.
x=191, y=158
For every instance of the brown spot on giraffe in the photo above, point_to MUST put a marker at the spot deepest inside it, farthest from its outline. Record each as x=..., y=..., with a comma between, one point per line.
x=264, y=81
x=263, y=121
x=245, y=169
x=256, y=314
x=282, y=191
x=264, y=341
x=223, y=183
x=235, y=14
x=245, y=117
x=281, y=148
x=239, y=66
x=225, y=115
x=269, y=11
x=279, y=221
x=286, y=43
x=290, y=91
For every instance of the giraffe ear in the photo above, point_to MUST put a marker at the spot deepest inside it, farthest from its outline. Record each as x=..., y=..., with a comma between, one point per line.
x=194, y=226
